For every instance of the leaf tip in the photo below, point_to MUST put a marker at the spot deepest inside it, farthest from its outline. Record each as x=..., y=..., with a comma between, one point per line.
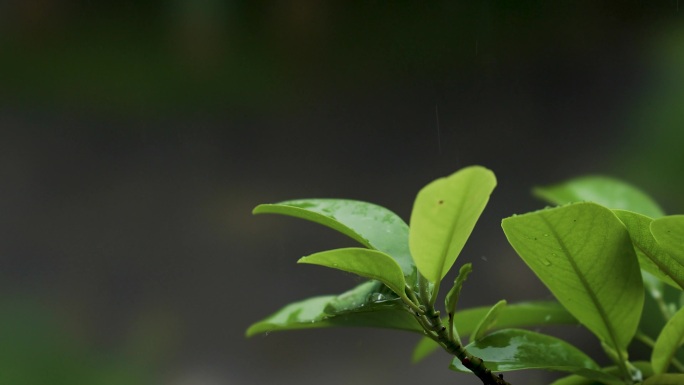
x=259, y=209
x=253, y=330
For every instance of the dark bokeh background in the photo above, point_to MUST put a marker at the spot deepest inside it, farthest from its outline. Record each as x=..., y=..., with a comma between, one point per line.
x=135, y=138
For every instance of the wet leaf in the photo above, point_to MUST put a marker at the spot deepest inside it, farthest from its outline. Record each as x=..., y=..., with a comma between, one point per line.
x=368, y=296
x=671, y=338
x=311, y=314
x=444, y=214
x=364, y=262
x=609, y=192
x=652, y=257
x=515, y=349
x=583, y=254
x=525, y=314
x=371, y=225
x=574, y=379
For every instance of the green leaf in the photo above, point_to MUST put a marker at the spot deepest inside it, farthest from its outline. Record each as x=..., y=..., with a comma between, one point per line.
x=575, y=379
x=665, y=379
x=515, y=349
x=315, y=313
x=424, y=348
x=644, y=367
x=583, y=254
x=451, y=299
x=444, y=214
x=670, y=339
x=364, y=262
x=298, y=315
x=488, y=321
x=608, y=192
x=369, y=296
x=651, y=255
x=371, y=225
x=525, y=314
x=669, y=232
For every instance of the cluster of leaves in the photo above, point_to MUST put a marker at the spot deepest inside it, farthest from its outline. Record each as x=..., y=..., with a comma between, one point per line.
x=605, y=250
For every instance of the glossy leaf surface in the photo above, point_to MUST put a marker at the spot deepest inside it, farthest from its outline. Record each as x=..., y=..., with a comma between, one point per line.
x=526, y=314
x=368, y=296
x=515, y=349
x=671, y=338
x=609, y=192
x=444, y=214
x=644, y=367
x=371, y=225
x=583, y=254
x=312, y=313
x=488, y=321
x=364, y=262
x=669, y=232
x=652, y=257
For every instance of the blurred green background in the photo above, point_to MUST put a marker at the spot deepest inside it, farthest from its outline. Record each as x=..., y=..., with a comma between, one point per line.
x=136, y=137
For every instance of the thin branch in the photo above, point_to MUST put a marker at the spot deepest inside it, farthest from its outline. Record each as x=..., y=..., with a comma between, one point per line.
x=438, y=332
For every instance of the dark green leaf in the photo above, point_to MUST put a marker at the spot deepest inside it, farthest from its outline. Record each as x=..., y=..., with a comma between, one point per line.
x=608, y=192
x=311, y=313
x=368, y=296
x=526, y=314
x=515, y=349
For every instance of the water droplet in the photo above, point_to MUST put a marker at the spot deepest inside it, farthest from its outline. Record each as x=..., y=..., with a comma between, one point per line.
x=546, y=262
x=547, y=318
x=377, y=297
x=546, y=235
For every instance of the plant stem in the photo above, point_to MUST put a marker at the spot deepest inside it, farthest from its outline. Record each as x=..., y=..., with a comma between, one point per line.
x=424, y=288
x=413, y=301
x=667, y=314
x=435, y=329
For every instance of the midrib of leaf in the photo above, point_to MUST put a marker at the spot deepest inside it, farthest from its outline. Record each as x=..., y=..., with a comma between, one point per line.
x=592, y=295
x=447, y=241
x=452, y=228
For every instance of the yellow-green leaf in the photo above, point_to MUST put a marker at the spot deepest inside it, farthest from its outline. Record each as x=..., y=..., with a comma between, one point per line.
x=444, y=214
x=364, y=262
x=488, y=321
x=671, y=338
x=583, y=254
